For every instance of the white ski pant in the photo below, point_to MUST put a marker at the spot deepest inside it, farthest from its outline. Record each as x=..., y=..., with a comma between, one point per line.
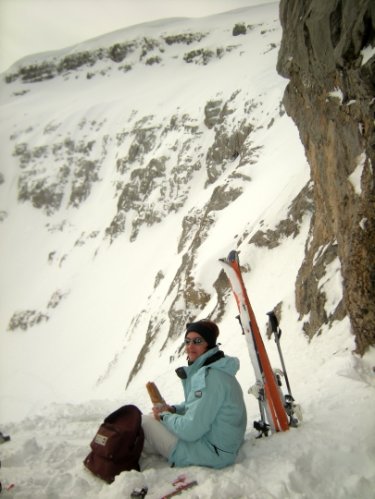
x=158, y=440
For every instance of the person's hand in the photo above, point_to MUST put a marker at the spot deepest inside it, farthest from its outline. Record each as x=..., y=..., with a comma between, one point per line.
x=159, y=408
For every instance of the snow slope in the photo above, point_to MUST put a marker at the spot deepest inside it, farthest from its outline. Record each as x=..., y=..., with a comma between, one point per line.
x=59, y=379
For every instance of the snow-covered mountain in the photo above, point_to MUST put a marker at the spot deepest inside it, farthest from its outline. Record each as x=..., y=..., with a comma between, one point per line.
x=130, y=164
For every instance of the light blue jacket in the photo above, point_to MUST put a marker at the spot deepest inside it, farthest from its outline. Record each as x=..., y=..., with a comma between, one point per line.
x=210, y=424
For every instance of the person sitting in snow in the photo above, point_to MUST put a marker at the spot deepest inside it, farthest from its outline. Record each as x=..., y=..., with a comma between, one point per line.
x=208, y=427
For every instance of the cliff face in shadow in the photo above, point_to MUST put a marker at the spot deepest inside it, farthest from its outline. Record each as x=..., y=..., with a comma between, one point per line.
x=328, y=55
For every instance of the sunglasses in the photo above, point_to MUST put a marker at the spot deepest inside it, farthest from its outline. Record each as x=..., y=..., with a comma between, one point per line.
x=195, y=341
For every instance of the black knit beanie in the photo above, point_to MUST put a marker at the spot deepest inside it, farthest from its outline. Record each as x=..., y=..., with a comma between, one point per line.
x=206, y=328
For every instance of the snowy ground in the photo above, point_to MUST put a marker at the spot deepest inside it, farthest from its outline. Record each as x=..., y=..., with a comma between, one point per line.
x=331, y=454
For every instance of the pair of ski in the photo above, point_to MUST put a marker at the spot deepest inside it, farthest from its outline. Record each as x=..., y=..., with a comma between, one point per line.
x=277, y=411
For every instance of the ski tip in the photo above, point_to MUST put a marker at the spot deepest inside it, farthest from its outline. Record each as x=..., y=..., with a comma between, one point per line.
x=232, y=257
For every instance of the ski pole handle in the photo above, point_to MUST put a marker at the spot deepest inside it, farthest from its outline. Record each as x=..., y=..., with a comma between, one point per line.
x=273, y=321
x=274, y=324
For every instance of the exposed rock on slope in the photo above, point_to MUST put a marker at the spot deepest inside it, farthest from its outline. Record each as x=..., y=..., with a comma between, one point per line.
x=135, y=161
x=327, y=52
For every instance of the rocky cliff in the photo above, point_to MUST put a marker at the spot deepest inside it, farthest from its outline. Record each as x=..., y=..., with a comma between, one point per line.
x=327, y=53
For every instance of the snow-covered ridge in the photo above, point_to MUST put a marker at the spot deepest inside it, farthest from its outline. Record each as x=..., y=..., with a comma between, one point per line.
x=148, y=43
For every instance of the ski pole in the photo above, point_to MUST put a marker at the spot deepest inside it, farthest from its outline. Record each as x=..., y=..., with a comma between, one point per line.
x=277, y=333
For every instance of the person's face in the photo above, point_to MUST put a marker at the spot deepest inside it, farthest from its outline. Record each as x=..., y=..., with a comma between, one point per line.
x=194, y=350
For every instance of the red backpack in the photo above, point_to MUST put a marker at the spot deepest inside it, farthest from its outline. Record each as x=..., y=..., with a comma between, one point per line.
x=117, y=445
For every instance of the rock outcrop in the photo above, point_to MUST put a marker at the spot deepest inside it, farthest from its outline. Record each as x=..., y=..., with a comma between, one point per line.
x=327, y=53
